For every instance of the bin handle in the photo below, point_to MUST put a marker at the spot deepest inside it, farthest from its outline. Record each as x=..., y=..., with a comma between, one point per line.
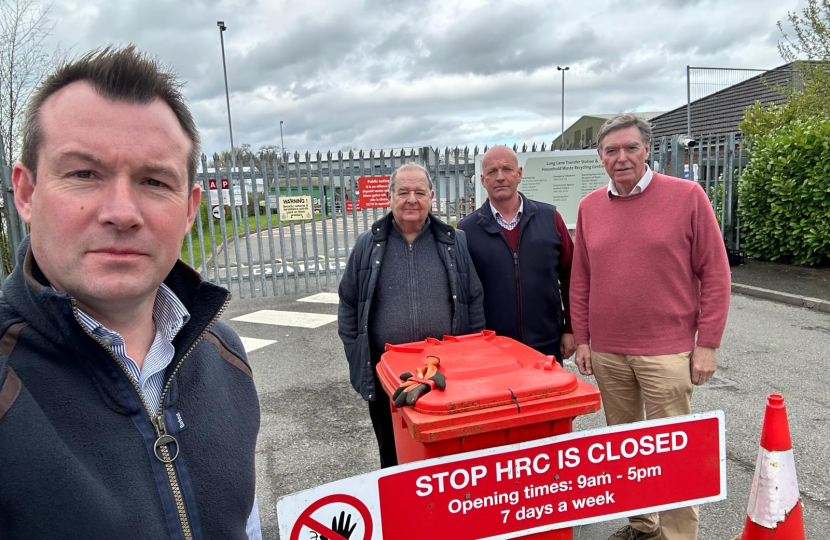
x=485, y=335
x=515, y=400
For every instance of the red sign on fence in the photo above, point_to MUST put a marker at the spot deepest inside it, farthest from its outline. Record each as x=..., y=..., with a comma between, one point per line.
x=212, y=183
x=562, y=481
x=374, y=191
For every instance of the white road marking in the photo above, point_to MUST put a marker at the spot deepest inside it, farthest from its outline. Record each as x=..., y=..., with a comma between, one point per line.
x=252, y=344
x=287, y=318
x=322, y=298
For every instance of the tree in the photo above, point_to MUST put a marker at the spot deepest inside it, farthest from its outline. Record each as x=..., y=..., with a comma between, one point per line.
x=25, y=59
x=243, y=151
x=783, y=202
x=809, y=51
x=271, y=149
x=812, y=33
x=782, y=195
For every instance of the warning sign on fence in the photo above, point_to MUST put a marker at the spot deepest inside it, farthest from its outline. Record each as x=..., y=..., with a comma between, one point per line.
x=374, y=191
x=295, y=207
x=514, y=490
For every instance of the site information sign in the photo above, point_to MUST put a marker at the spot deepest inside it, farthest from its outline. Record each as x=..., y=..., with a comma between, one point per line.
x=226, y=195
x=295, y=207
x=558, y=178
x=374, y=191
x=515, y=490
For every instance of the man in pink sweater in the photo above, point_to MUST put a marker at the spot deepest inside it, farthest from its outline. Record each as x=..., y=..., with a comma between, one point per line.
x=649, y=296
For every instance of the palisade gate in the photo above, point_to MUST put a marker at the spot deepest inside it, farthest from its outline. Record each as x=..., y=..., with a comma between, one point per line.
x=241, y=241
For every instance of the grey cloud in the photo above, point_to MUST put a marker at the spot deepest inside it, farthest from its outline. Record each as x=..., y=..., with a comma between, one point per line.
x=434, y=73
x=296, y=57
x=711, y=41
x=674, y=4
x=330, y=121
x=507, y=39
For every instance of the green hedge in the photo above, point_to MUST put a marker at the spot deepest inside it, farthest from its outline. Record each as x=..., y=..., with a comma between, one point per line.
x=784, y=195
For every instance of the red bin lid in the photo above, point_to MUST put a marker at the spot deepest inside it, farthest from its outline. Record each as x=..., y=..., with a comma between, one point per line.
x=483, y=370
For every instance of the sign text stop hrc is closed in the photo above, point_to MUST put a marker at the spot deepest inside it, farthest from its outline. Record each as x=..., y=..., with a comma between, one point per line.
x=557, y=483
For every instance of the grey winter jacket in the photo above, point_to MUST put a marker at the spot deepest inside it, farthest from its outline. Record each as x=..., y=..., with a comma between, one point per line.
x=359, y=283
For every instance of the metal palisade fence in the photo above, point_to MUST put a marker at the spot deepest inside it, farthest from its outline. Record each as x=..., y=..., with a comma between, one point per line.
x=716, y=162
x=240, y=241
x=255, y=252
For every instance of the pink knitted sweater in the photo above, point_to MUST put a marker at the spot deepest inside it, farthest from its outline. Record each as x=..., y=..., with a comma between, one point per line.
x=649, y=271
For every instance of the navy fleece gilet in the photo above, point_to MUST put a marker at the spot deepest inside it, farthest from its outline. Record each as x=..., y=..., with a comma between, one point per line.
x=76, y=444
x=521, y=293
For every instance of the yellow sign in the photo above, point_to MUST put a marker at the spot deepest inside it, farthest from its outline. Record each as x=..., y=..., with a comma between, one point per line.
x=295, y=207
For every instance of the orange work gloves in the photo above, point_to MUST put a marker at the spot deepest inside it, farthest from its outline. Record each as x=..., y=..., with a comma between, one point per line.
x=414, y=386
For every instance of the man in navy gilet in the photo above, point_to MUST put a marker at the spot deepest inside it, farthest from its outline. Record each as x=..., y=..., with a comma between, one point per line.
x=522, y=252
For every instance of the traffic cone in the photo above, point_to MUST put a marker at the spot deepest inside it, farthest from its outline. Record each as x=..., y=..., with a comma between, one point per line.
x=774, y=511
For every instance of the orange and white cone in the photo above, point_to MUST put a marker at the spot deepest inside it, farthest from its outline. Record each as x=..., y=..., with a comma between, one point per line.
x=774, y=511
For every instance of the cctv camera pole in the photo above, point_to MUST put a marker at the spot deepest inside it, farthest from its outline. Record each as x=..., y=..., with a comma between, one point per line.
x=222, y=28
x=562, y=136
x=688, y=103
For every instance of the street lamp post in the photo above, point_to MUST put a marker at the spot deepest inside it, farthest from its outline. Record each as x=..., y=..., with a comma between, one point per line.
x=222, y=28
x=562, y=137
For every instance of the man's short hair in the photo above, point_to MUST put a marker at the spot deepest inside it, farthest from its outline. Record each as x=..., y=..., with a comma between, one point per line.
x=412, y=165
x=622, y=121
x=120, y=74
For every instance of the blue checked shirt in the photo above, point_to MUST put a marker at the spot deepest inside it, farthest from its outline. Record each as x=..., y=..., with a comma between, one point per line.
x=513, y=222
x=169, y=316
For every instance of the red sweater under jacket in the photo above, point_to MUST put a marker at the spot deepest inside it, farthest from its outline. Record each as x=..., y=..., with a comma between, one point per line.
x=649, y=271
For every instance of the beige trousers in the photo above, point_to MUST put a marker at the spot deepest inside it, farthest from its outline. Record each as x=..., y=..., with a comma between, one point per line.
x=662, y=385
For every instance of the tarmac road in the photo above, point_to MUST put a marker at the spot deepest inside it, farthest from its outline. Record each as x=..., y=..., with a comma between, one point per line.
x=315, y=428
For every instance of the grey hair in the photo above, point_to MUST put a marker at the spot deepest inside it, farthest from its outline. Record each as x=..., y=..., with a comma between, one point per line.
x=622, y=121
x=412, y=165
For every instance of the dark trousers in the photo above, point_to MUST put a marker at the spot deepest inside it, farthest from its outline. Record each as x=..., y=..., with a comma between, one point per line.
x=380, y=412
x=553, y=350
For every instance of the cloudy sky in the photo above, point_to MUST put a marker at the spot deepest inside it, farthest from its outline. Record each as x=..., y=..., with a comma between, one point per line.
x=399, y=73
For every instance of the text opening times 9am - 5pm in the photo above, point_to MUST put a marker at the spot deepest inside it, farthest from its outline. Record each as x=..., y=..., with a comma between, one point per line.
x=541, y=463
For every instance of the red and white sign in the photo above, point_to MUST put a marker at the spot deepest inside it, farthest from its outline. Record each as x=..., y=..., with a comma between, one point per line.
x=350, y=206
x=314, y=519
x=374, y=191
x=217, y=211
x=511, y=491
x=212, y=183
x=225, y=193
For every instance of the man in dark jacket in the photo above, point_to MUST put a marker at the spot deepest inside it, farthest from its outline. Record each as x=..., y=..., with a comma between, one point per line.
x=408, y=278
x=522, y=253
x=127, y=409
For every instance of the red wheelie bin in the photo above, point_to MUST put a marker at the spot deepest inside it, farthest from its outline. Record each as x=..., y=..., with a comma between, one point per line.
x=498, y=392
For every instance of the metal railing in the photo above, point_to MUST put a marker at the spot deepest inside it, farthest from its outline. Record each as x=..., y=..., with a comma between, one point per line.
x=239, y=241
x=715, y=161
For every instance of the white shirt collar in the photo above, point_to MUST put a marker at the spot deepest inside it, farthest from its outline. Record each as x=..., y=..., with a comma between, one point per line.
x=639, y=188
x=497, y=214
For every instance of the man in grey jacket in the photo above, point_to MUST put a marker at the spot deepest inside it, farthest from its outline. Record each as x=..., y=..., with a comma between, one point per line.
x=408, y=278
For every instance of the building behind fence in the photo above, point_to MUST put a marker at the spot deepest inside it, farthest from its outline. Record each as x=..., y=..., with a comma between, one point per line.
x=253, y=253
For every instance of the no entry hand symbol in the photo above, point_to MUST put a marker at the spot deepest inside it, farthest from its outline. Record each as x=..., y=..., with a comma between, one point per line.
x=305, y=519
